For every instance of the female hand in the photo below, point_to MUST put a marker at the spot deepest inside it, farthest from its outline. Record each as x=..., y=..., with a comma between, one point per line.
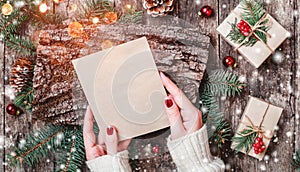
x=183, y=116
x=95, y=148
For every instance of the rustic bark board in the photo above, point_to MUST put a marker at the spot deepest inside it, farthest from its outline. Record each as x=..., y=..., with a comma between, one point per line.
x=263, y=82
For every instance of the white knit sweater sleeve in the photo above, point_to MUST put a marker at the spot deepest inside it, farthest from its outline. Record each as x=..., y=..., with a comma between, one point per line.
x=110, y=163
x=191, y=153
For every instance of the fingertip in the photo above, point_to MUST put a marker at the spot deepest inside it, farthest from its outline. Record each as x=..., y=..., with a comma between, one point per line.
x=111, y=141
x=169, y=102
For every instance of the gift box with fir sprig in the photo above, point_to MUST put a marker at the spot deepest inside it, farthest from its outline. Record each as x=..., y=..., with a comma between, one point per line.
x=256, y=128
x=252, y=31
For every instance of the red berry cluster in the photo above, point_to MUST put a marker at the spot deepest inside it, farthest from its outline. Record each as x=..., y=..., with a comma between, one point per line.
x=244, y=28
x=258, y=145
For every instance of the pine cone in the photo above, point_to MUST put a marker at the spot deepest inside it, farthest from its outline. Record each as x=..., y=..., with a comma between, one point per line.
x=158, y=7
x=21, y=73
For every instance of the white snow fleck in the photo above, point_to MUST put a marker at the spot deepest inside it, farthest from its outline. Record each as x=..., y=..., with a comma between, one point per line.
x=289, y=134
x=267, y=157
x=263, y=168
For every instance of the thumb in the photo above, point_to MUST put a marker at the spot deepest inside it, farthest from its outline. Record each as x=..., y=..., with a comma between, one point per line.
x=176, y=125
x=111, y=140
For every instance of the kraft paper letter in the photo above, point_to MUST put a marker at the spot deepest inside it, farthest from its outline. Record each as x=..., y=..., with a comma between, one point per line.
x=123, y=88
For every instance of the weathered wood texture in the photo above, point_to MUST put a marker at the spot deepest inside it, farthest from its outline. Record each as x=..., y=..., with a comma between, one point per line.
x=278, y=84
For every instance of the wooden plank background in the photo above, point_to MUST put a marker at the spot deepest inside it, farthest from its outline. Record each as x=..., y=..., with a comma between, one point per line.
x=278, y=84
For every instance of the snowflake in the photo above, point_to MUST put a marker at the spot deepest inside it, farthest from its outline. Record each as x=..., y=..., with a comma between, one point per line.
x=263, y=168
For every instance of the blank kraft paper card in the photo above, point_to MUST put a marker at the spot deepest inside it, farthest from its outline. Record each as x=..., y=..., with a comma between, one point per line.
x=123, y=88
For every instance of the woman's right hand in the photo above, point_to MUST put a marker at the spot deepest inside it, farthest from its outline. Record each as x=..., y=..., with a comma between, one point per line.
x=96, y=147
x=183, y=116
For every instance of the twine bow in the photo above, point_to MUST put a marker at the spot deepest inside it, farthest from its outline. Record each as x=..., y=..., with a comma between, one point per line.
x=264, y=21
x=257, y=129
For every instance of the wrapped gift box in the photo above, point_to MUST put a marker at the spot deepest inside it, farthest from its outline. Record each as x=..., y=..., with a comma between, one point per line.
x=261, y=114
x=259, y=52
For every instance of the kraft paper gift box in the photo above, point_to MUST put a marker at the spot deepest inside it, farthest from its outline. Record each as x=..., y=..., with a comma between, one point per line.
x=123, y=88
x=259, y=52
x=261, y=114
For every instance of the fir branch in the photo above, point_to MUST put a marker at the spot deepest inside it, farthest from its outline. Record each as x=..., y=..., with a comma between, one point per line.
x=94, y=8
x=296, y=160
x=244, y=140
x=20, y=44
x=131, y=16
x=221, y=134
x=25, y=97
x=72, y=156
x=12, y=23
x=38, y=145
x=223, y=83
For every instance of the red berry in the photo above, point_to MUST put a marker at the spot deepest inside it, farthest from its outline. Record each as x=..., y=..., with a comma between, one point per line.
x=259, y=139
x=261, y=143
x=245, y=33
x=256, y=148
x=256, y=152
x=262, y=149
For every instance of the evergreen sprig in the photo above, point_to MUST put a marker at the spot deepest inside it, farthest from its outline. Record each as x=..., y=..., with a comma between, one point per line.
x=221, y=134
x=20, y=44
x=244, y=140
x=72, y=156
x=252, y=13
x=38, y=145
x=296, y=160
x=223, y=83
x=219, y=83
x=25, y=97
x=131, y=16
x=94, y=8
x=65, y=141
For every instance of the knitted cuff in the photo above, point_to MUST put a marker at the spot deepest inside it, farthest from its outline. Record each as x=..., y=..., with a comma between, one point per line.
x=192, y=152
x=113, y=163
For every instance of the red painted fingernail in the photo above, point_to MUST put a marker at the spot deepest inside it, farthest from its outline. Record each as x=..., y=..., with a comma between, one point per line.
x=169, y=103
x=109, y=130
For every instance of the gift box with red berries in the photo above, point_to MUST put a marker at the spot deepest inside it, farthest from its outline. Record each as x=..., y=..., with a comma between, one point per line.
x=256, y=128
x=252, y=31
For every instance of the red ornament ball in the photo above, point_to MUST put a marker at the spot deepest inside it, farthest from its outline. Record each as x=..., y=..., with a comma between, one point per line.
x=206, y=11
x=245, y=29
x=11, y=109
x=155, y=149
x=229, y=61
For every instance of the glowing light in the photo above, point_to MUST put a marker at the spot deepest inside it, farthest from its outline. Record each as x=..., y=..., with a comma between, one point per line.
x=128, y=6
x=7, y=9
x=43, y=7
x=75, y=29
x=110, y=17
x=95, y=20
x=57, y=1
